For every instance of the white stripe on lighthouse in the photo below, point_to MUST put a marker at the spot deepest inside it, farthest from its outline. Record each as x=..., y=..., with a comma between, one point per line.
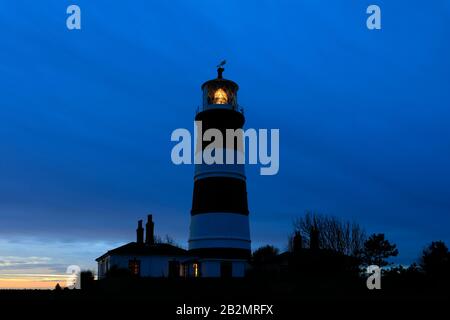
x=219, y=230
x=219, y=170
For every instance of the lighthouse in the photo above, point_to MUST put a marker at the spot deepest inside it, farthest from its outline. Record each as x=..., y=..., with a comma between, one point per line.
x=219, y=235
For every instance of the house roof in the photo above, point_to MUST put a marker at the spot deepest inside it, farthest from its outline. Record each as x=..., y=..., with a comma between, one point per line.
x=138, y=249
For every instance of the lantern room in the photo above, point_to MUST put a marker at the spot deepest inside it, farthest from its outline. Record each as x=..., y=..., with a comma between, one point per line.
x=220, y=93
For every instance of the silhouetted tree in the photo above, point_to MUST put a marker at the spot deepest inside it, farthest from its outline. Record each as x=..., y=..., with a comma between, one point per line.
x=167, y=240
x=58, y=287
x=295, y=242
x=314, y=236
x=435, y=260
x=377, y=250
x=334, y=234
x=86, y=279
x=264, y=254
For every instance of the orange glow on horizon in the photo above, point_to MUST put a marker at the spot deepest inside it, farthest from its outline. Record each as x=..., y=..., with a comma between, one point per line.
x=31, y=281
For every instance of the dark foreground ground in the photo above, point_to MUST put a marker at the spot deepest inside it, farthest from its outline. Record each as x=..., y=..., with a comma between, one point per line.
x=162, y=298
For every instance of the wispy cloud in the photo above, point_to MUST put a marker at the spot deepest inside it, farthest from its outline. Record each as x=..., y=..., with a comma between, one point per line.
x=14, y=261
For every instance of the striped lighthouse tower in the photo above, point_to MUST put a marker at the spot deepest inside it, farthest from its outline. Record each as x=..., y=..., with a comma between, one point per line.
x=219, y=230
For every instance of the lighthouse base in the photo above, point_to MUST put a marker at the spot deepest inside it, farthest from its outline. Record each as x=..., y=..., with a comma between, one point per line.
x=219, y=245
x=215, y=268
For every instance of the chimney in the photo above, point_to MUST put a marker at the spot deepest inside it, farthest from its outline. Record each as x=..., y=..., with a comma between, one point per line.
x=149, y=231
x=140, y=233
x=297, y=242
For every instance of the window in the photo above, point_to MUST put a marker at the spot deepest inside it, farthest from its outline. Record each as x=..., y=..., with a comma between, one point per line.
x=185, y=270
x=196, y=269
x=135, y=267
x=226, y=269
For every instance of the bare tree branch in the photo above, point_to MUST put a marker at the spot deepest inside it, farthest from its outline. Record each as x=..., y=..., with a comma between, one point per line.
x=334, y=234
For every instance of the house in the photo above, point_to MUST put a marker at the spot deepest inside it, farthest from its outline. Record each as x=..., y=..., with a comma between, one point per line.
x=144, y=258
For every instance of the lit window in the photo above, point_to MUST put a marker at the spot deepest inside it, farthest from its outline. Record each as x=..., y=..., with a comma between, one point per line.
x=196, y=268
x=135, y=267
x=220, y=97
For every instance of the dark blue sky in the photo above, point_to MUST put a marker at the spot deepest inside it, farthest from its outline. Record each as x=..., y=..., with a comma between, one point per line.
x=86, y=117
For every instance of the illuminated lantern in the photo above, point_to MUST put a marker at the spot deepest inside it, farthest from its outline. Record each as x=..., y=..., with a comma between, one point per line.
x=220, y=97
x=221, y=92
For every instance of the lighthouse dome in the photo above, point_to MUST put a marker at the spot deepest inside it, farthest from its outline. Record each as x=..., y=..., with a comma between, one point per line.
x=220, y=93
